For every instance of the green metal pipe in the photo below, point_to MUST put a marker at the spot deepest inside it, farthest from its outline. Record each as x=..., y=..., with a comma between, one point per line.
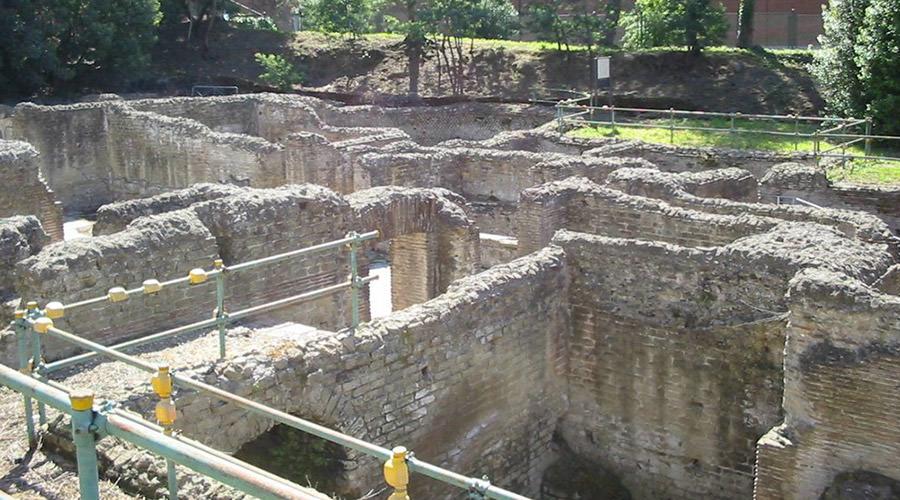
x=181, y=452
x=171, y=479
x=85, y=451
x=354, y=280
x=35, y=389
x=237, y=267
x=67, y=362
x=212, y=451
x=311, y=295
x=37, y=360
x=221, y=321
x=21, y=329
x=303, y=251
x=74, y=360
x=233, y=473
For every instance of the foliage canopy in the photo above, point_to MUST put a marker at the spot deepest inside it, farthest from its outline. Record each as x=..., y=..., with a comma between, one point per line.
x=46, y=43
x=858, y=66
x=690, y=23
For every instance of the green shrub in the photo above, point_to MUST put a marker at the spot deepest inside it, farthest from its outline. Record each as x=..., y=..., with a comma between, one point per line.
x=338, y=16
x=688, y=23
x=44, y=44
x=878, y=58
x=279, y=72
x=858, y=66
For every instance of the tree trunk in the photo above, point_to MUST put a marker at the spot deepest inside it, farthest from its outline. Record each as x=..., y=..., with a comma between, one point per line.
x=745, y=24
x=613, y=9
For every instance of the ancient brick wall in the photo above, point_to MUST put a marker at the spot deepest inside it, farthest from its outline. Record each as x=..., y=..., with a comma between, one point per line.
x=429, y=125
x=841, y=371
x=809, y=183
x=466, y=380
x=728, y=183
x=681, y=190
x=671, y=158
x=581, y=205
x=433, y=241
x=259, y=223
x=73, y=150
x=234, y=114
x=162, y=247
x=24, y=191
x=152, y=153
x=674, y=366
x=114, y=217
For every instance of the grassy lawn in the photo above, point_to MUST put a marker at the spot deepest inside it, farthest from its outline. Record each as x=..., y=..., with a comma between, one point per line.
x=857, y=171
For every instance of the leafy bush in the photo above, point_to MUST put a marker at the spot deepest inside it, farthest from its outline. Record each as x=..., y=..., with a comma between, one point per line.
x=878, y=58
x=255, y=23
x=279, y=72
x=858, y=67
x=338, y=16
x=47, y=43
x=689, y=23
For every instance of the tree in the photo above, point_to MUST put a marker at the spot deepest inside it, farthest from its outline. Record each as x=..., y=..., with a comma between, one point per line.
x=546, y=23
x=339, y=16
x=613, y=13
x=690, y=23
x=745, y=24
x=878, y=59
x=45, y=44
x=279, y=72
x=835, y=66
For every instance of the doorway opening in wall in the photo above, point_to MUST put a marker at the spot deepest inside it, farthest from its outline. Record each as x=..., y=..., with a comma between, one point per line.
x=78, y=226
x=380, y=303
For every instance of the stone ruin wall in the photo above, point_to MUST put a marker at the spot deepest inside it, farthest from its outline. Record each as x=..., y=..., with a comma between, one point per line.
x=238, y=225
x=810, y=184
x=469, y=380
x=24, y=190
x=841, y=372
x=641, y=359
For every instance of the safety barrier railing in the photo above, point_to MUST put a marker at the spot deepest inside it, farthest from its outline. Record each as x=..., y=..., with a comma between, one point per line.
x=219, y=273
x=793, y=200
x=91, y=423
x=574, y=113
x=33, y=323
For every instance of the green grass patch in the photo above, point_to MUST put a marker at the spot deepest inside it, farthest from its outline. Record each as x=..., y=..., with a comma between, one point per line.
x=883, y=172
x=874, y=172
x=778, y=55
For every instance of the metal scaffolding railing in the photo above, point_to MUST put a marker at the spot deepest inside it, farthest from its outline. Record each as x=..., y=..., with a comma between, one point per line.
x=90, y=422
x=830, y=137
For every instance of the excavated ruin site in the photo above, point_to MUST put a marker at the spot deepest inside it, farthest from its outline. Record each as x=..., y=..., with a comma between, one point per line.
x=572, y=318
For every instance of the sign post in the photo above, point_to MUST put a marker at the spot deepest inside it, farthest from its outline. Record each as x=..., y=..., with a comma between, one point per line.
x=602, y=80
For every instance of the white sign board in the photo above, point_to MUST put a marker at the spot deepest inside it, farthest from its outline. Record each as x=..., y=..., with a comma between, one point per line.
x=602, y=68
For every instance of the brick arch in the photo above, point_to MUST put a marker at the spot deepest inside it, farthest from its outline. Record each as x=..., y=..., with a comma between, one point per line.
x=433, y=240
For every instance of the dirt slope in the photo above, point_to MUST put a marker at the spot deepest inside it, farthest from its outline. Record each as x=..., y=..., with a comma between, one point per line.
x=375, y=68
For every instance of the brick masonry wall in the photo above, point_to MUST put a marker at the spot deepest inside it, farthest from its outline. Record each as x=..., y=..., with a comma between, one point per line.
x=581, y=205
x=244, y=225
x=466, y=380
x=20, y=238
x=152, y=153
x=24, y=190
x=259, y=223
x=115, y=217
x=810, y=184
x=81, y=269
x=670, y=383
x=73, y=150
x=842, y=368
x=433, y=241
x=671, y=158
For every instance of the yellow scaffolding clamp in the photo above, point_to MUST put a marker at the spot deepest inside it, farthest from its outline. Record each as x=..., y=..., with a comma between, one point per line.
x=396, y=473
